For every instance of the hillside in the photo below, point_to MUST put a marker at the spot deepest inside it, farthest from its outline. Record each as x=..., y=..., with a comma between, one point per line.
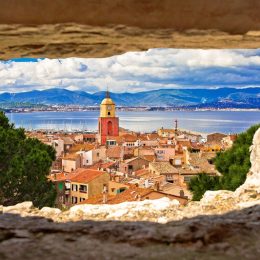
x=230, y=97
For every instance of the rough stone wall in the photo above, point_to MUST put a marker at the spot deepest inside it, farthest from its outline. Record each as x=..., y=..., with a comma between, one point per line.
x=76, y=40
x=233, y=16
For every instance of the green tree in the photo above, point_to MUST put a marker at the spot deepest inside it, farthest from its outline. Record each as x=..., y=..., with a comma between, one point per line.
x=201, y=183
x=24, y=166
x=233, y=164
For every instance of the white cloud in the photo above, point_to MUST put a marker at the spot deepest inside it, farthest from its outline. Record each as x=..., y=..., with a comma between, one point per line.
x=136, y=71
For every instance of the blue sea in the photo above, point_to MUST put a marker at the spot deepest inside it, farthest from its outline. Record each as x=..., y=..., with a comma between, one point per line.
x=145, y=121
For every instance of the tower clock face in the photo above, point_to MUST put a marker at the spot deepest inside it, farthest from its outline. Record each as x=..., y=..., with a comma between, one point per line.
x=109, y=107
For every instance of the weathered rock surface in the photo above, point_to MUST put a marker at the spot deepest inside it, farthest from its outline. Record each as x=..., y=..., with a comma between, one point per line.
x=77, y=40
x=229, y=236
x=19, y=208
x=231, y=16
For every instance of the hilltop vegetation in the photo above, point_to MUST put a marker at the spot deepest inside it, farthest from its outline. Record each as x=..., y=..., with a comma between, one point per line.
x=233, y=164
x=221, y=97
x=24, y=166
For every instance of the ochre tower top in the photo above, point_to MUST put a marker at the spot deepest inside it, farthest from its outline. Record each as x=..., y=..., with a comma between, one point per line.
x=107, y=107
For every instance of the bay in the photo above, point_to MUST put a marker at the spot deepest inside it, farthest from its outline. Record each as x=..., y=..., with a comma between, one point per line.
x=143, y=121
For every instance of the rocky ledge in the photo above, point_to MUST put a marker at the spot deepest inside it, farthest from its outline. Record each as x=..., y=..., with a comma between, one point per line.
x=225, y=236
x=223, y=224
x=86, y=41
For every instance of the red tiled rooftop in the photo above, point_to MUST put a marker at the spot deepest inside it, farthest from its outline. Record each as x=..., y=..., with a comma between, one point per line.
x=62, y=176
x=141, y=172
x=130, y=194
x=102, y=165
x=89, y=135
x=114, y=152
x=86, y=175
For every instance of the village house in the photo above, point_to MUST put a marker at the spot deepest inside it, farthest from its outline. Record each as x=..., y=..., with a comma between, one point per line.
x=92, y=156
x=116, y=187
x=134, y=193
x=89, y=138
x=169, y=133
x=79, y=138
x=131, y=165
x=130, y=140
x=215, y=137
x=228, y=141
x=68, y=143
x=165, y=168
x=87, y=183
x=195, y=138
x=164, y=153
x=212, y=147
x=148, y=143
x=63, y=186
x=203, y=162
x=115, y=153
x=58, y=145
x=177, y=190
x=71, y=162
x=143, y=151
x=178, y=159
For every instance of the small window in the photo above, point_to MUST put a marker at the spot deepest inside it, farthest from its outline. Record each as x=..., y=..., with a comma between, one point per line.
x=74, y=187
x=108, y=113
x=121, y=190
x=74, y=200
x=83, y=188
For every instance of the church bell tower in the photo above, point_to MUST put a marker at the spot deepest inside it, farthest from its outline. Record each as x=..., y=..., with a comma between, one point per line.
x=108, y=123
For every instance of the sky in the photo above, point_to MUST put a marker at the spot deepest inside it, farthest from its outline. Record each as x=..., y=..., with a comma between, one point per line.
x=135, y=71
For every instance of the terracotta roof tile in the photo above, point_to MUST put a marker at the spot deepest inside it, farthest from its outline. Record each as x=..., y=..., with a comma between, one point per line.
x=86, y=175
x=114, y=152
x=102, y=165
x=141, y=172
x=82, y=147
x=149, y=158
x=164, y=167
x=62, y=176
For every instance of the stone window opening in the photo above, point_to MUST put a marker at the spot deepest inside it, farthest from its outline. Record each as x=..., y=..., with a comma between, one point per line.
x=109, y=128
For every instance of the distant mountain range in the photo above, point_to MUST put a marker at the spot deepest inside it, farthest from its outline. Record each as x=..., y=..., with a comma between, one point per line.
x=221, y=97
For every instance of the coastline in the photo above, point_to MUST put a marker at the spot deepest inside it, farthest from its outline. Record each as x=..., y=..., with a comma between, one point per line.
x=122, y=109
x=140, y=121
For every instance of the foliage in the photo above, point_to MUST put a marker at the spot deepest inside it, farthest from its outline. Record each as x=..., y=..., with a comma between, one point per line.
x=201, y=183
x=24, y=166
x=233, y=164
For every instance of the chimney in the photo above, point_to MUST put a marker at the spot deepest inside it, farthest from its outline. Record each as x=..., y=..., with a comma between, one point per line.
x=157, y=186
